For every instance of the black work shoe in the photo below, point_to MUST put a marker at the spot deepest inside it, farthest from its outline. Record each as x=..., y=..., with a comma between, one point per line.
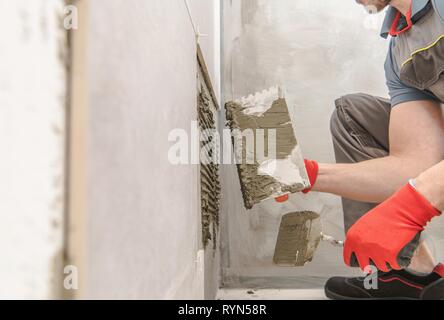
x=394, y=285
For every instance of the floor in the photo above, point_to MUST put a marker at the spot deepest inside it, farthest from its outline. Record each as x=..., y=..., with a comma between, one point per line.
x=271, y=294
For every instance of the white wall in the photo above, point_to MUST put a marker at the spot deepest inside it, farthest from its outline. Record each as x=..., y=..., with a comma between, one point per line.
x=32, y=111
x=206, y=17
x=143, y=224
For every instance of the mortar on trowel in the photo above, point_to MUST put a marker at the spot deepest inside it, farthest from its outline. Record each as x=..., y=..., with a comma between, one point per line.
x=265, y=117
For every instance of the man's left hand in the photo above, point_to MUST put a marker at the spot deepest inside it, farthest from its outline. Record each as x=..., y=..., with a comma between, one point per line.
x=388, y=236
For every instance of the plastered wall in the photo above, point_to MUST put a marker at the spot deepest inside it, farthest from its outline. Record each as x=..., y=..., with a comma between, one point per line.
x=142, y=223
x=32, y=136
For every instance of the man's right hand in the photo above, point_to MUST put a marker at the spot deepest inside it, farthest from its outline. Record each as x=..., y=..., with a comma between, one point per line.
x=312, y=168
x=312, y=171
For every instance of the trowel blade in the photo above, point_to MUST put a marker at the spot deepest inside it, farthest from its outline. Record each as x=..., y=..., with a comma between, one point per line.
x=299, y=237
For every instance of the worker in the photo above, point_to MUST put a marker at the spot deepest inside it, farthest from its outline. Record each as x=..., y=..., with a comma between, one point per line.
x=380, y=145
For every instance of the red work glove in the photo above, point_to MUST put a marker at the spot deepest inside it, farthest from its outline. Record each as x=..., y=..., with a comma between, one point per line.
x=312, y=168
x=389, y=235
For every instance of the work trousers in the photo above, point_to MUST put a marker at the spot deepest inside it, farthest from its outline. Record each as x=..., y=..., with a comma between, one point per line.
x=360, y=130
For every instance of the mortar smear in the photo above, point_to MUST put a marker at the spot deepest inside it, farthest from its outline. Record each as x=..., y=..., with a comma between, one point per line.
x=267, y=178
x=209, y=173
x=299, y=237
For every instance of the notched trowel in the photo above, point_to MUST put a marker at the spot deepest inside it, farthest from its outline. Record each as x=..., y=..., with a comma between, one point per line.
x=265, y=118
x=299, y=237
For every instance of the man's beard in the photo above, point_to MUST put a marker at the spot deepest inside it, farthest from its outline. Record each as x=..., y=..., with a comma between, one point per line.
x=381, y=4
x=376, y=6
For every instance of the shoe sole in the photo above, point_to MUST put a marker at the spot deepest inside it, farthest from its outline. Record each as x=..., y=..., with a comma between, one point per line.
x=335, y=296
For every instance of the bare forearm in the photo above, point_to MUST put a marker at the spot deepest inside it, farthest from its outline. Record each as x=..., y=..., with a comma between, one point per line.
x=370, y=181
x=412, y=151
x=431, y=185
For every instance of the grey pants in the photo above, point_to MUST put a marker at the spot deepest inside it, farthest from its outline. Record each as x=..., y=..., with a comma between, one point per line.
x=360, y=130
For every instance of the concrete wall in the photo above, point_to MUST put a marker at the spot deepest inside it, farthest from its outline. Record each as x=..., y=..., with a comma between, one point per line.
x=32, y=136
x=143, y=232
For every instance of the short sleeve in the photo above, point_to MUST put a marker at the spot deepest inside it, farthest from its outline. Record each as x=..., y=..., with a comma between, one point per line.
x=398, y=91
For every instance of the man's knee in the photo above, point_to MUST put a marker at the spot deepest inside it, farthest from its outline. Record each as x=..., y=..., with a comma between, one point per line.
x=359, y=127
x=335, y=123
x=361, y=112
x=345, y=106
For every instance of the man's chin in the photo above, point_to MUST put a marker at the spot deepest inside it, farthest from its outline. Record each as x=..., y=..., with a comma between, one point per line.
x=372, y=9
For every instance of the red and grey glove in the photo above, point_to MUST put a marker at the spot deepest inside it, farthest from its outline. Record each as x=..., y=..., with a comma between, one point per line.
x=312, y=168
x=389, y=235
x=312, y=171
